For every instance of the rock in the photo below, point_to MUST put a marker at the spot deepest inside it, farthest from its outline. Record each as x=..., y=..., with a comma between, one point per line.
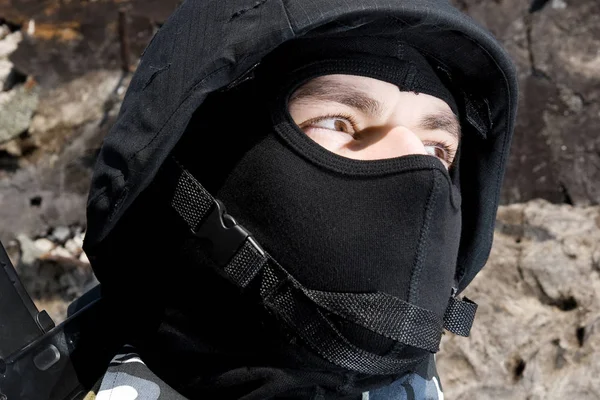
x=4, y=31
x=5, y=70
x=61, y=252
x=16, y=110
x=44, y=245
x=48, y=186
x=83, y=258
x=555, y=153
x=9, y=42
x=78, y=238
x=560, y=4
x=73, y=247
x=29, y=251
x=535, y=334
x=13, y=148
x=13, y=249
x=61, y=234
x=67, y=39
x=73, y=104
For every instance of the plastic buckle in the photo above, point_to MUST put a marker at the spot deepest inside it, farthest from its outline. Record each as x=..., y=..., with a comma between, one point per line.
x=224, y=234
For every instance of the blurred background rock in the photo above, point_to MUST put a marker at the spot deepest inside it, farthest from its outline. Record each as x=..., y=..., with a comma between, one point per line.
x=64, y=69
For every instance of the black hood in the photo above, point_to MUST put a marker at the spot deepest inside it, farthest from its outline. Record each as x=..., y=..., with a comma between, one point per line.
x=208, y=45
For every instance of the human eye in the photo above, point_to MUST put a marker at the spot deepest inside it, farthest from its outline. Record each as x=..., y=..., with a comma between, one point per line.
x=338, y=122
x=441, y=150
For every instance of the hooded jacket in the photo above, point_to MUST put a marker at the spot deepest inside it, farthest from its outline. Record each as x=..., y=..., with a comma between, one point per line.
x=206, y=46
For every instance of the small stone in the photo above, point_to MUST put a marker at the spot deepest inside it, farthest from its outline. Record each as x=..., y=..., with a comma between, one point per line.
x=73, y=248
x=44, y=245
x=4, y=31
x=17, y=107
x=10, y=43
x=78, y=239
x=13, y=249
x=61, y=234
x=31, y=27
x=12, y=147
x=5, y=70
x=559, y=4
x=61, y=252
x=83, y=258
x=29, y=251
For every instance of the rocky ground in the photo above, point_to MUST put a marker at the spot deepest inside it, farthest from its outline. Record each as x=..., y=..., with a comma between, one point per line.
x=537, y=330
x=53, y=268
x=65, y=67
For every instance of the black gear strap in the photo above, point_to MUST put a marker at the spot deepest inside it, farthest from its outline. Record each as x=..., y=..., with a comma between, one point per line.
x=243, y=260
x=459, y=316
x=286, y=297
x=386, y=315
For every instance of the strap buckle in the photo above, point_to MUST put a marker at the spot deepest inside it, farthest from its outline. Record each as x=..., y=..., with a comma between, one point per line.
x=224, y=234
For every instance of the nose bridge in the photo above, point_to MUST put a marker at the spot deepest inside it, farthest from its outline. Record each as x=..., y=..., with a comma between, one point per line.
x=402, y=141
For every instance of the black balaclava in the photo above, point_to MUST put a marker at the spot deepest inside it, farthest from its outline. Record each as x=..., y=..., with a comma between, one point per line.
x=335, y=224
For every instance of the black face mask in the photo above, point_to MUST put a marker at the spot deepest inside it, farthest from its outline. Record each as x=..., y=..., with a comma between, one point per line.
x=336, y=225
x=342, y=225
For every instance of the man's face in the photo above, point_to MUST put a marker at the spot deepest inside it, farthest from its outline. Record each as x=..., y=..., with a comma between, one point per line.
x=368, y=119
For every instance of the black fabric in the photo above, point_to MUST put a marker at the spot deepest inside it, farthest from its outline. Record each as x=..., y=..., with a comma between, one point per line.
x=459, y=316
x=355, y=227
x=245, y=264
x=190, y=199
x=206, y=47
x=380, y=313
x=386, y=59
x=222, y=43
x=376, y=311
x=316, y=331
x=340, y=225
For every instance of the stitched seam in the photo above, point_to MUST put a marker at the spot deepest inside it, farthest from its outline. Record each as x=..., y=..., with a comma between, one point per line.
x=192, y=91
x=288, y=16
x=114, y=208
x=158, y=132
x=239, y=13
x=187, y=96
x=423, y=242
x=461, y=271
x=112, y=385
x=97, y=195
x=118, y=203
x=323, y=157
x=157, y=71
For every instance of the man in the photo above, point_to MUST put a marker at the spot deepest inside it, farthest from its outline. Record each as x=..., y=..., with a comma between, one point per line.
x=293, y=197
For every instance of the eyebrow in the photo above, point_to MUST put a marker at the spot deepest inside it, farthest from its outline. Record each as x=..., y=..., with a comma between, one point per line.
x=443, y=120
x=327, y=90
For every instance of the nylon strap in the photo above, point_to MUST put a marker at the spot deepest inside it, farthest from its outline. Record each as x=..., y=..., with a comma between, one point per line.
x=191, y=201
x=284, y=296
x=386, y=315
x=459, y=316
x=381, y=313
